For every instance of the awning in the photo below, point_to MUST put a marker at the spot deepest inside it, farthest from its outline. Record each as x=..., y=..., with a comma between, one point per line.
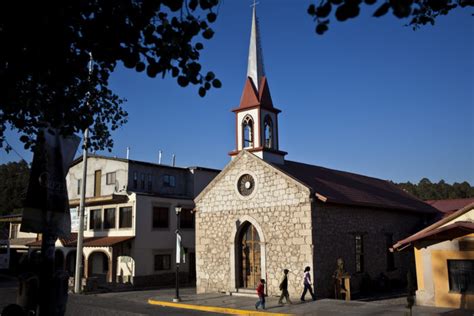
x=448, y=232
x=106, y=241
x=100, y=200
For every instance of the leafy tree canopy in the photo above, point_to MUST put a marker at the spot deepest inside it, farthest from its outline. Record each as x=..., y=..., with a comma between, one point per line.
x=419, y=12
x=45, y=54
x=426, y=190
x=13, y=186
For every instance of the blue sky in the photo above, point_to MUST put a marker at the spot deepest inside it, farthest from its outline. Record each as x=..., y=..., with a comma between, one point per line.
x=371, y=96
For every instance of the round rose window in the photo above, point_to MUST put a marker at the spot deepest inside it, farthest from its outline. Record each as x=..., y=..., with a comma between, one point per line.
x=246, y=184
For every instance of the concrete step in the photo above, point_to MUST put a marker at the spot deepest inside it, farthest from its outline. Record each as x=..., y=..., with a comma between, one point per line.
x=245, y=292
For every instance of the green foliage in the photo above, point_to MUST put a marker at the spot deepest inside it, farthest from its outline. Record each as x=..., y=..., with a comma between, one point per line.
x=426, y=190
x=419, y=12
x=45, y=54
x=14, y=182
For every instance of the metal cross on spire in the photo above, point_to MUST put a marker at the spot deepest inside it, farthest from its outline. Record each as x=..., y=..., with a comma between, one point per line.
x=255, y=68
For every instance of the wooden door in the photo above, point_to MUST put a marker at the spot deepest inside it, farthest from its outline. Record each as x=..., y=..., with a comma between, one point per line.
x=250, y=257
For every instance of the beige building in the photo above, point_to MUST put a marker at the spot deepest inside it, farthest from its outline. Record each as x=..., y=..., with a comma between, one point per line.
x=444, y=254
x=263, y=213
x=130, y=220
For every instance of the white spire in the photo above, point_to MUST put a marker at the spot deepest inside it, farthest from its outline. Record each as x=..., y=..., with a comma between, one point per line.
x=255, y=64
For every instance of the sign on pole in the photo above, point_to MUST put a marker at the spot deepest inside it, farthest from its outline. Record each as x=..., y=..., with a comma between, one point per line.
x=47, y=204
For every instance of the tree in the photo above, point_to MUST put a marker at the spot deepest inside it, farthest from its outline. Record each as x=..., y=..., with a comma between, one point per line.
x=13, y=186
x=45, y=54
x=420, y=12
x=426, y=190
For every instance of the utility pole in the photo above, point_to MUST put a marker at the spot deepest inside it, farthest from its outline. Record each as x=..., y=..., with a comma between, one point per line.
x=80, y=233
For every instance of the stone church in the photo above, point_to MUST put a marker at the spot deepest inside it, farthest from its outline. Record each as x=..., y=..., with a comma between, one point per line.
x=262, y=213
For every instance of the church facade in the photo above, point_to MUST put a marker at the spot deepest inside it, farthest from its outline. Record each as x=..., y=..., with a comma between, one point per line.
x=263, y=214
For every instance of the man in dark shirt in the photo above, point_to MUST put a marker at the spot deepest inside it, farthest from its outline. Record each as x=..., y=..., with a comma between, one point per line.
x=284, y=289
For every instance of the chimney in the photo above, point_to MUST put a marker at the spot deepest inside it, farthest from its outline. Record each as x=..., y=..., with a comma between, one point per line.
x=159, y=157
x=128, y=152
x=174, y=160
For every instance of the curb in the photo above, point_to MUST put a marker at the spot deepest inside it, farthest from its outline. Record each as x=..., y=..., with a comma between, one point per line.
x=213, y=309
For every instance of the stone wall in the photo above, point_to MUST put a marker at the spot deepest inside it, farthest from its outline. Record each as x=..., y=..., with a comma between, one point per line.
x=279, y=208
x=335, y=227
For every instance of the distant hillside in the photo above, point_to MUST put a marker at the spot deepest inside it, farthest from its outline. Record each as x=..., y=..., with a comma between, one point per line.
x=14, y=183
x=427, y=190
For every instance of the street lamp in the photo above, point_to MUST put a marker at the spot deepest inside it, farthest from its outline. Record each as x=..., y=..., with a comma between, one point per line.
x=178, y=252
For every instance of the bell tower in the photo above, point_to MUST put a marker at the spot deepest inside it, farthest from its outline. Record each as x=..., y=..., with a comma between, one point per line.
x=256, y=118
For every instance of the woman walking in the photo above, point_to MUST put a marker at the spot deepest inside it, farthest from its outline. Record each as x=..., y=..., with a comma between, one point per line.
x=307, y=284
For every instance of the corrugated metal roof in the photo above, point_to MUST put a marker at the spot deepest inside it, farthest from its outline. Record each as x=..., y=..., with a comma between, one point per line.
x=450, y=205
x=340, y=187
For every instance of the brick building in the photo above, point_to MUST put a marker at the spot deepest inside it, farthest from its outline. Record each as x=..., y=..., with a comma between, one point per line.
x=263, y=214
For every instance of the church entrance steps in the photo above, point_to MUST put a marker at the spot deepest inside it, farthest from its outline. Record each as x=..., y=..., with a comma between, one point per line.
x=245, y=292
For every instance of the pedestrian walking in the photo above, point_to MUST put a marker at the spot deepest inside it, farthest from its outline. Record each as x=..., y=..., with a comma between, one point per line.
x=307, y=284
x=261, y=294
x=284, y=289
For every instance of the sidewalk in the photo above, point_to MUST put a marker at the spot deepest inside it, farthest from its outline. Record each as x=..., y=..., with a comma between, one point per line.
x=238, y=305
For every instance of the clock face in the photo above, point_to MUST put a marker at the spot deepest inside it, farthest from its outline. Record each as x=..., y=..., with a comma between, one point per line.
x=246, y=184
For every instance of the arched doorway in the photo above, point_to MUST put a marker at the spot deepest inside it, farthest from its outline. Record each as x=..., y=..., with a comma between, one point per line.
x=249, y=256
x=98, y=266
x=71, y=262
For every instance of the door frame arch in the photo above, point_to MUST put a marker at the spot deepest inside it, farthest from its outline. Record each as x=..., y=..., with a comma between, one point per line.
x=237, y=226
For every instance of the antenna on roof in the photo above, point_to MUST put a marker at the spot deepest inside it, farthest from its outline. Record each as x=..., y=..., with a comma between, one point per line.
x=159, y=157
x=173, y=160
x=128, y=152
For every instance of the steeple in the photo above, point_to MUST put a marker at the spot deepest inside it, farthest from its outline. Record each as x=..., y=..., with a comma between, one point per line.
x=255, y=68
x=256, y=118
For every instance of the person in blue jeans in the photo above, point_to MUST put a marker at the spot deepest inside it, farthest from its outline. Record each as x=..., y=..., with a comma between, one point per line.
x=307, y=285
x=261, y=294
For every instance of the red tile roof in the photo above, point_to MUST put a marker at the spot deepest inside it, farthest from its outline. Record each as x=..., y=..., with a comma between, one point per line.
x=448, y=232
x=436, y=227
x=340, y=187
x=106, y=241
x=450, y=205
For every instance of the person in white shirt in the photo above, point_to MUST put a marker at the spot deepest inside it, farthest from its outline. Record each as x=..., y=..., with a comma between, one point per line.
x=307, y=284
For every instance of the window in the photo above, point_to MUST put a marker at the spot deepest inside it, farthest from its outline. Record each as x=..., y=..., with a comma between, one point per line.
x=461, y=276
x=109, y=218
x=142, y=182
x=268, y=132
x=162, y=262
x=247, y=129
x=97, y=182
x=79, y=186
x=110, y=178
x=125, y=219
x=160, y=217
x=186, y=218
x=95, y=219
x=150, y=182
x=359, y=253
x=14, y=230
x=390, y=255
x=169, y=181
x=135, y=180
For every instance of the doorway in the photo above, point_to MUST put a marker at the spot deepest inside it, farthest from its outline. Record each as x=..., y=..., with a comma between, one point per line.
x=249, y=257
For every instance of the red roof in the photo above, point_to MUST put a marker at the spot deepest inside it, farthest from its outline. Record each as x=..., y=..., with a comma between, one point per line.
x=448, y=232
x=440, y=233
x=450, y=205
x=253, y=98
x=106, y=241
x=340, y=187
